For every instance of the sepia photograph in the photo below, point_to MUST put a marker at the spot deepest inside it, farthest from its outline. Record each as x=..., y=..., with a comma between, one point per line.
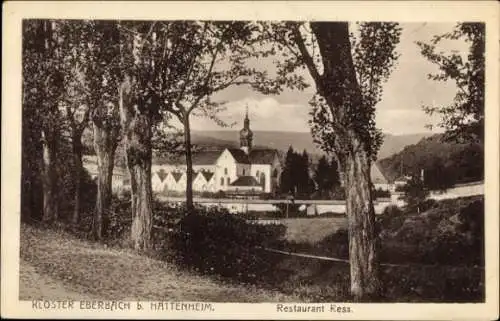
x=311, y=164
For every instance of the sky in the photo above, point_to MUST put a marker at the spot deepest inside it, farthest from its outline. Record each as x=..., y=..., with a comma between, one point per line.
x=399, y=112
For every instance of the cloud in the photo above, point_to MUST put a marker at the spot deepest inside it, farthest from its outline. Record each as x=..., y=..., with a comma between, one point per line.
x=399, y=111
x=405, y=121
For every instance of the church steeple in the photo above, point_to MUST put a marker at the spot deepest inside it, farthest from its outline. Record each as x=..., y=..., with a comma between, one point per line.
x=246, y=134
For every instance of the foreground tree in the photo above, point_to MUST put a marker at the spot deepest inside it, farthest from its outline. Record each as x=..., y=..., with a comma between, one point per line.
x=43, y=89
x=75, y=52
x=216, y=60
x=348, y=78
x=463, y=119
x=170, y=68
x=105, y=67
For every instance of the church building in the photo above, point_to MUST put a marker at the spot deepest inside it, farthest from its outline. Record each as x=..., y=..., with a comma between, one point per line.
x=234, y=170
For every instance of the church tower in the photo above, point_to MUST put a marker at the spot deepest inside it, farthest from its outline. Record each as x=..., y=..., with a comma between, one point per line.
x=246, y=135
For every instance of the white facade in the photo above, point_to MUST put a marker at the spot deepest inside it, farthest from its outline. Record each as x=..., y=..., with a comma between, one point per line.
x=225, y=171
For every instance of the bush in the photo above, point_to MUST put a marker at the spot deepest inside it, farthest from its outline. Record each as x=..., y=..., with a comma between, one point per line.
x=380, y=193
x=450, y=232
x=214, y=241
x=391, y=211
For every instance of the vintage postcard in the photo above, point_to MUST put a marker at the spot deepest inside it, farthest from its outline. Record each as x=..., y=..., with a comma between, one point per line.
x=250, y=160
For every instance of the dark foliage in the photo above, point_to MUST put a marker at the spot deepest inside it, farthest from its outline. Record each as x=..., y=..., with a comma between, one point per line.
x=444, y=163
x=217, y=242
x=380, y=193
x=449, y=232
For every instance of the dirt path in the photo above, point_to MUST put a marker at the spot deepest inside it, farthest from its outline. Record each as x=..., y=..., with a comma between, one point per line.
x=57, y=266
x=33, y=285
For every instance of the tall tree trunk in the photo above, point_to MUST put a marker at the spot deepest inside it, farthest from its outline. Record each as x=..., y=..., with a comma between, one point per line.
x=32, y=156
x=105, y=144
x=363, y=241
x=338, y=85
x=137, y=125
x=78, y=170
x=189, y=165
x=50, y=176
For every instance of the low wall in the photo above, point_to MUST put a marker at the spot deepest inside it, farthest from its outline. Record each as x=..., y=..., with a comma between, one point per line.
x=243, y=206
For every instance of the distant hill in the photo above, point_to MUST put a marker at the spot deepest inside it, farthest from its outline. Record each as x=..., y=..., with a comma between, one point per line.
x=218, y=140
x=461, y=163
x=299, y=140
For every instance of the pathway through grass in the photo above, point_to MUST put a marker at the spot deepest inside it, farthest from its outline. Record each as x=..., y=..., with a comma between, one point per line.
x=55, y=265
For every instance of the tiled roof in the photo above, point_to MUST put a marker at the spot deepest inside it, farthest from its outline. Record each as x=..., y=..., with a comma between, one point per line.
x=198, y=158
x=245, y=181
x=205, y=157
x=239, y=155
x=177, y=176
x=162, y=174
x=257, y=156
x=262, y=156
x=208, y=175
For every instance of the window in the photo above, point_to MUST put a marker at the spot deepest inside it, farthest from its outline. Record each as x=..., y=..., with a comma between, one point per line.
x=257, y=174
x=225, y=171
x=222, y=181
x=243, y=172
x=227, y=181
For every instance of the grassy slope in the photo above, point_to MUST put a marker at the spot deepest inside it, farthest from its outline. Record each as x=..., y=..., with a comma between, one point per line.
x=55, y=265
x=312, y=229
x=409, y=282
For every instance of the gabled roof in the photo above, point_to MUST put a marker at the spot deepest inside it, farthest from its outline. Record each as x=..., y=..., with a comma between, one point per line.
x=245, y=181
x=205, y=157
x=377, y=176
x=262, y=156
x=177, y=176
x=208, y=175
x=162, y=175
x=239, y=155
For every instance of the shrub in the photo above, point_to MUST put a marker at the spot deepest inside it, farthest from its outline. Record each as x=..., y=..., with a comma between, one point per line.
x=380, y=193
x=391, y=211
x=214, y=241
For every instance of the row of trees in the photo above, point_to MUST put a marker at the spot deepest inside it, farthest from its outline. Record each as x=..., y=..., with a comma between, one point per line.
x=128, y=78
x=295, y=177
x=301, y=179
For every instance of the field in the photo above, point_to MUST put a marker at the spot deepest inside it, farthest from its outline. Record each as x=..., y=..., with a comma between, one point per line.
x=312, y=229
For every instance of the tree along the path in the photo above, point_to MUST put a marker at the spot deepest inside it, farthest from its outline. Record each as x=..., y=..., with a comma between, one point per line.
x=170, y=68
x=104, y=81
x=155, y=61
x=348, y=78
x=75, y=51
x=216, y=60
x=463, y=119
x=42, y=91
